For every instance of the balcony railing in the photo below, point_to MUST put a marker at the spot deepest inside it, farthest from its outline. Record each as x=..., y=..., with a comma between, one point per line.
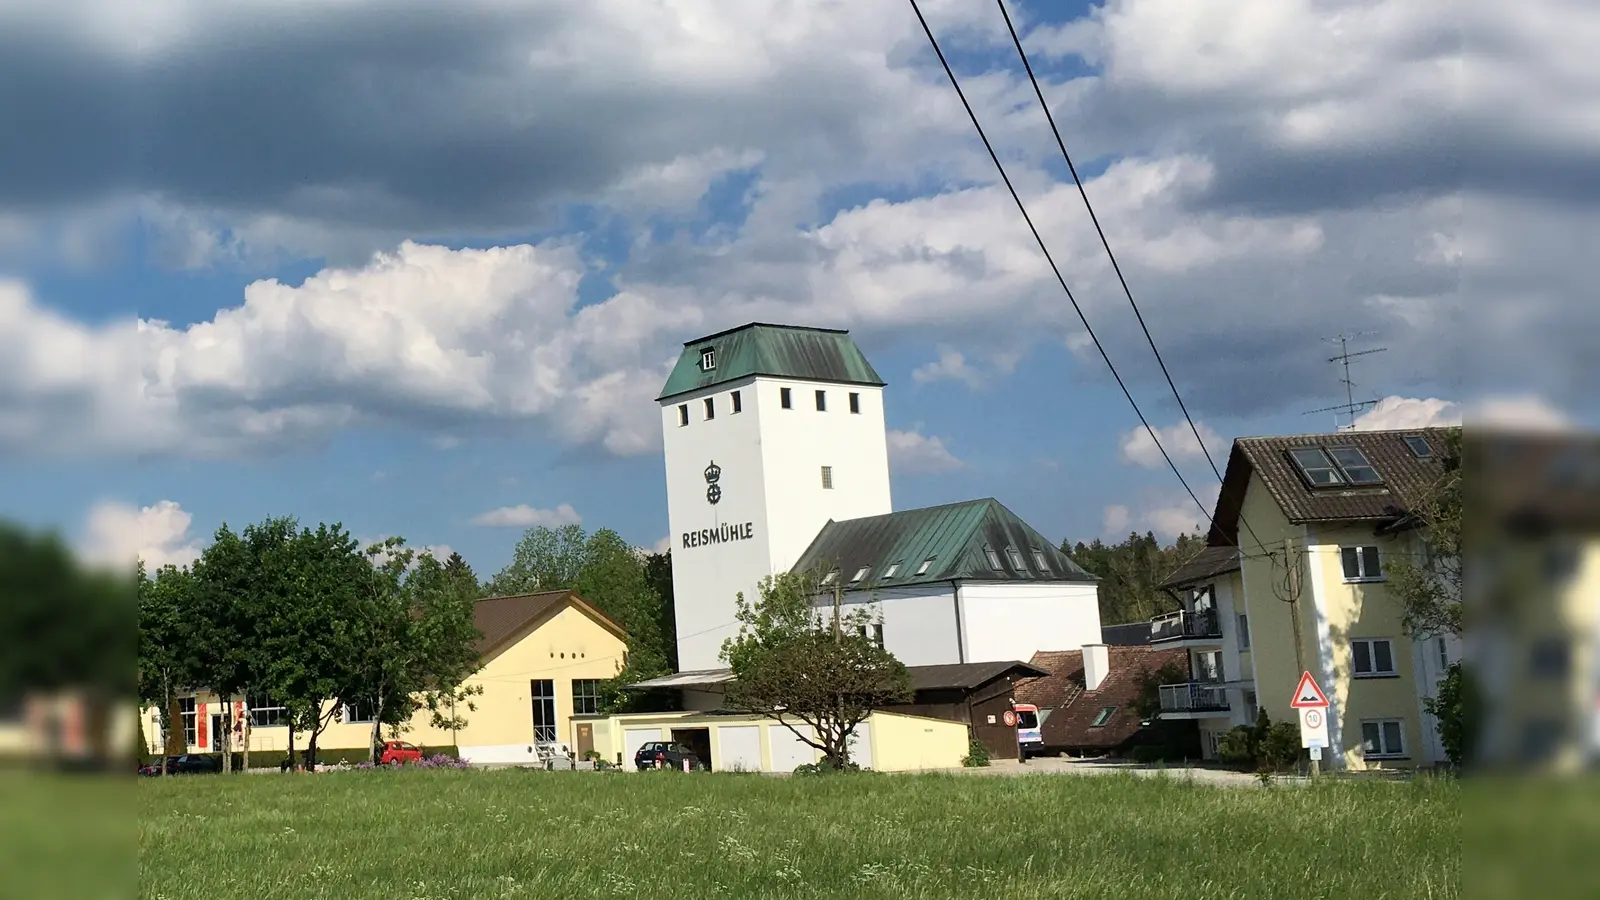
x=1194, y=696
x=1184, y=624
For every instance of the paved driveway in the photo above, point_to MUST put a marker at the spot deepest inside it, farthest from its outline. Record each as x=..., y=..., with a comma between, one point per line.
x=1058, y=766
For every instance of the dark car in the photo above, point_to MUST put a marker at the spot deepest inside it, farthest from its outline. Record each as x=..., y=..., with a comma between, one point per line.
x=665, y=755
x=186, y=764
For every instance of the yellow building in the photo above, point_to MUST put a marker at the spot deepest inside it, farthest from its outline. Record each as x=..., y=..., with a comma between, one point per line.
x=1310, y=523
x=542, y=660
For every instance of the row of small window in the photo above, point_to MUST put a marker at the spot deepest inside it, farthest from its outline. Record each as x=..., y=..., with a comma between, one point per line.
x=785, y=400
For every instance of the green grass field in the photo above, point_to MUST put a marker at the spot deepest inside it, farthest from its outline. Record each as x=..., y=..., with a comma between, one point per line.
x=419, y=835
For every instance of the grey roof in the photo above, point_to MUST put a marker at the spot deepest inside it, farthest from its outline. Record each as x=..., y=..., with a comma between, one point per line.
x=1405, y=478
x=1203, y=566
x=953, y=536
x=967, y=676
x=778, y=351
x=692, y=679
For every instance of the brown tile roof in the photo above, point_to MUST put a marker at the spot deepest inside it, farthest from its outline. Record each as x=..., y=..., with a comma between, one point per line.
x=1073, y=709
x=499, y=619
x=1404, y=476
x=1208, y=563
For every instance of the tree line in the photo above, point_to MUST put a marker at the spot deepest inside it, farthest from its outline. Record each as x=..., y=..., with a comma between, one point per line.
x=317, y=622
x=1131, y=573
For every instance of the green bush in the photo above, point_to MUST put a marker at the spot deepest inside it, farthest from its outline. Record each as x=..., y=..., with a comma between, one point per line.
x=1148, y=753
x=1264, y=746
x=977, y=754
x=825, y=768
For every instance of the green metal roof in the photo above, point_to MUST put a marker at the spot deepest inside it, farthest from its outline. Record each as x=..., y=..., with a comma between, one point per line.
x=778, y=351
x=955, y=537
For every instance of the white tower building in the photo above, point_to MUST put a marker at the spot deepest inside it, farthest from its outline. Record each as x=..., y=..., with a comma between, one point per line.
x=770, y=432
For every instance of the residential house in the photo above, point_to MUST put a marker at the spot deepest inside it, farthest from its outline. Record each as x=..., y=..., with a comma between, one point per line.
x=1088, y=703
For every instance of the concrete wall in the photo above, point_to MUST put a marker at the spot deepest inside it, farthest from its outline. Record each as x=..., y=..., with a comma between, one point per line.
x=770, y=460
x=1006, y=621
x=919, y=623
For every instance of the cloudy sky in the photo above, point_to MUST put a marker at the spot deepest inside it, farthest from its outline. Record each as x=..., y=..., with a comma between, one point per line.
x=422, y=267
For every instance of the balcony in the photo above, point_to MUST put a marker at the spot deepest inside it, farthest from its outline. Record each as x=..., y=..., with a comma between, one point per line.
x=1204, y=626
x=1194, y=697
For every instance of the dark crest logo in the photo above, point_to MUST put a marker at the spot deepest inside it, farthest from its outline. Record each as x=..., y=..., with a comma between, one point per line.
x=713, y=490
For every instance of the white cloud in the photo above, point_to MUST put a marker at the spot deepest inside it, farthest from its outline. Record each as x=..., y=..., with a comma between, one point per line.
x=951, y=365
x=525, y=516
x=1171, y=513
x=915, y=453
x=1394, y=413
x=118, y=533
x=1139, y=448
x=1116, y=522
x=1520, y=413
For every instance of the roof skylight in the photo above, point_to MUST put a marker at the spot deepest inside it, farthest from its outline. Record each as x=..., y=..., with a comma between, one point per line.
x=1418, y=445
x=1334, y=466
x=1316, y=466
x=860, y=574
x=993, y=557
x=1355, y=465
x=926, y=564
x=893, y=568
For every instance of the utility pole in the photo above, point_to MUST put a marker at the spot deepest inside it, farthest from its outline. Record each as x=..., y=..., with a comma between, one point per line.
x=1291, y=595
x=838, y=602
x=1350, y=406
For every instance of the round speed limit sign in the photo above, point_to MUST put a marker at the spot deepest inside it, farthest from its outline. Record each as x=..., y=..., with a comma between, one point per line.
x=1313, y=718
x=1010, y=718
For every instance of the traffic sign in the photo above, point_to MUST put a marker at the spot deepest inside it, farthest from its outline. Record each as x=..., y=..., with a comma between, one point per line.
x=1313, y=728
x=1308, y=695
x=1010, y=718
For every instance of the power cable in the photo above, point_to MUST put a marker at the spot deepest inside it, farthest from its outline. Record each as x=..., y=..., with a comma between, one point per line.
x=1021, y=207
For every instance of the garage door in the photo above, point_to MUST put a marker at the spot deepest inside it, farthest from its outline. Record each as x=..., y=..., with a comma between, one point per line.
x=738, y=749
x=788, y=751
x=861, y=745
x=633, y=739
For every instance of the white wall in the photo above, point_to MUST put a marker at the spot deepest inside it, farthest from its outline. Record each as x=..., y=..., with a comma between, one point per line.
x=1012, y=621
x=1429, y=670
x=1229, y=606
x=770, y=460
x=919, y=623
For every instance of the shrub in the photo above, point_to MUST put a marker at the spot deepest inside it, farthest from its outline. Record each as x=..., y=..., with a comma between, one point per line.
x=1280, y=749
x=1264, y=746
x=825, y=768
x=977, y=754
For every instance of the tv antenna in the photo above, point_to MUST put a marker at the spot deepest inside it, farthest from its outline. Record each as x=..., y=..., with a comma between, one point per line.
x=1351, y=405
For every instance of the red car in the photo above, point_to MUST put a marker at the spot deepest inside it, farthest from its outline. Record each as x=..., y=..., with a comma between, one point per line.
x=397, y=753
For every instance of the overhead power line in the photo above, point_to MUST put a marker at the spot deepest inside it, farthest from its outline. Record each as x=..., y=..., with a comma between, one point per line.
x=1021, y=207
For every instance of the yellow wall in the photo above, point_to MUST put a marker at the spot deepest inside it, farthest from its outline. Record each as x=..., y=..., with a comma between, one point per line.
x=568, y=646
x=1272, y=647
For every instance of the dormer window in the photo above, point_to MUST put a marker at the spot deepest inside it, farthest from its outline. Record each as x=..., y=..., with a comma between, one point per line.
x=708, y=359
x=993, y=557
x=1039, y=560
x=1015, y=556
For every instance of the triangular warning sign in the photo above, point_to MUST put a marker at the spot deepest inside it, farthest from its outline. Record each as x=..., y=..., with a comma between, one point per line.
x=1308, y=695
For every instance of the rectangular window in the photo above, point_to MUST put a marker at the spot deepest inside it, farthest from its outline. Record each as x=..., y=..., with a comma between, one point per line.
x=785, y=398
x=1419, y=446
x=738, y=402
x=1015, y=556
x=683, y=414
x=860, y=574
x=923, y=569
x=1244, y=632
x=831, y=577
x=585, y=696
x=1444, y=655
x=993, y=558
x=822, y=401
x=893, y=568
x=827, y=478
x=711, y=408
x=708, y=359
x=1315, y=465
x=1383, y=738
x=1355, y=465
x=1372, y=657
x=855, y=402
x=186, y=712
x=1361, y=564
x=357, y=712
x=266, y=711
x=877, y=634
x=544, y=710
x=1104, y=716
x=1040, y=561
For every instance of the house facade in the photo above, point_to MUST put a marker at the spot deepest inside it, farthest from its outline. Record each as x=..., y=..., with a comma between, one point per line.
x=542, y=659
x=1295, y=580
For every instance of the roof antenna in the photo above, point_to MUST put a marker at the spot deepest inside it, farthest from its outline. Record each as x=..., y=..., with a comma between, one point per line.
x=1351, y=405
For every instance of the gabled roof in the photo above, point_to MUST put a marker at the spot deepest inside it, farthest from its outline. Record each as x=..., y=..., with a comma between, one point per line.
x=1405, y=478
x=1073, y=710
x=953, y=536
x=777, y=351
x=1204, y=566
x=968, y=676
x=502, y=620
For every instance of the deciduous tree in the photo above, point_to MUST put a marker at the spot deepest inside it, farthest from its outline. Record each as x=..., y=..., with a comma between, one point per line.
x=1428, y=585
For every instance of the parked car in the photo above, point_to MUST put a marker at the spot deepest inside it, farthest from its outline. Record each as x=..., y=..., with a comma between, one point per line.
x=395, y=753
x=665, y=755
x=185, y=764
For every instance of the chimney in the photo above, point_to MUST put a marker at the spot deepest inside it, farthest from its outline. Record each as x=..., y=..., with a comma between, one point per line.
x=1096, y=664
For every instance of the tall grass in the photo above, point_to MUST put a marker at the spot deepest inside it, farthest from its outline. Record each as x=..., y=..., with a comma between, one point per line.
x=511, y=833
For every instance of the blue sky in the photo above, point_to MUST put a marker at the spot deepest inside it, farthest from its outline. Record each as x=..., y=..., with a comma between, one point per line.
x=402, y=270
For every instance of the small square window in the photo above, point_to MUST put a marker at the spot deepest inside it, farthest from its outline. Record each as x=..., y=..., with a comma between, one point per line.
x=822, y=401
x=683, y=414
x=855, y=402
x=708, y=359
x=1361, y=564
x=1382, y=738
x=711, y=408
x=1102, y=717
x=926, y=564
x=993, y=558
x=738, y=402
x=1372, y=657
x=860, y=574
x=893, y=568
x=827, y=478
x=786, y=398
x=1418, y=445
